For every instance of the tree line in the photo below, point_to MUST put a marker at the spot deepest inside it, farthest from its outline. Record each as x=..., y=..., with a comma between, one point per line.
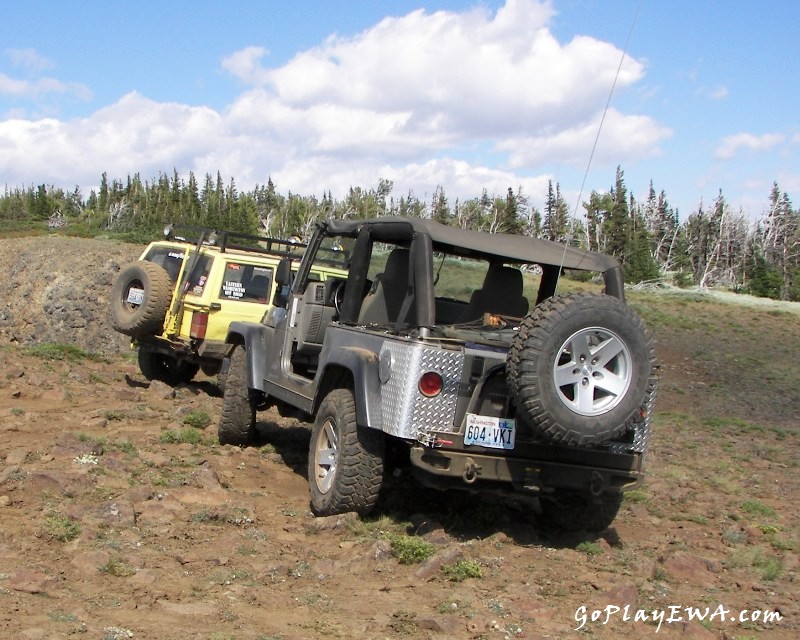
x=714, y=246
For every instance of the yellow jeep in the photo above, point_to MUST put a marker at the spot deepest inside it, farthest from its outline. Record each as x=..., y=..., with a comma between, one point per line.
x=177, y=301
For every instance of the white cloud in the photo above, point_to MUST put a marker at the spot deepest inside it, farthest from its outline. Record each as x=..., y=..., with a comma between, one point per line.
x=464, y=75
x=731, y=145
x=621, y=136
x=134, y=134
x=407, y=99
x=719, y=93
x=28, y=59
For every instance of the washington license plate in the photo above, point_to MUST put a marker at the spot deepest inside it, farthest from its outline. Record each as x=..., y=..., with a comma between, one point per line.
x=494, y=433
x=135, y=296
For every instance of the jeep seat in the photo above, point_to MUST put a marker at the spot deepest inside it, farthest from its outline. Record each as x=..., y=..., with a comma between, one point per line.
x=500, y=294
x=382, y=305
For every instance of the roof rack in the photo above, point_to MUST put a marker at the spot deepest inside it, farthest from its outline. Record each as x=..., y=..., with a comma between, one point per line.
x=224, y=240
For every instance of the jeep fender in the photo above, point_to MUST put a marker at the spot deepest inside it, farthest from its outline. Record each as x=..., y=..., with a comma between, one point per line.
x=363, y=365
x=253, y=337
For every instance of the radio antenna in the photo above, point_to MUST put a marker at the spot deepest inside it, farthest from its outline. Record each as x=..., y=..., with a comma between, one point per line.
x=600, y=128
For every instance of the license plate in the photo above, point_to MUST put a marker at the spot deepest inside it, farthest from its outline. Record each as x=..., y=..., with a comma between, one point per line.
x=494, y=433
x=135, y=296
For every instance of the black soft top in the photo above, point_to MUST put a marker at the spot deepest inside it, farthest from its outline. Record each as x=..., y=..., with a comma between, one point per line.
x=476, y=244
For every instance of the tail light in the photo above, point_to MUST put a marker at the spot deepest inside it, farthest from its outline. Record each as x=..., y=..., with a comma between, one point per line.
x=430, y=384
x=199, y=325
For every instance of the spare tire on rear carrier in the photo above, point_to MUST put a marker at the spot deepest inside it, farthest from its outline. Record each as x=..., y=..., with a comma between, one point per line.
x=140, y=297
x=579, y=369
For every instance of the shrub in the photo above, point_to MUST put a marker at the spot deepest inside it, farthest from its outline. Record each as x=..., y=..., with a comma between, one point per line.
x=410, y=549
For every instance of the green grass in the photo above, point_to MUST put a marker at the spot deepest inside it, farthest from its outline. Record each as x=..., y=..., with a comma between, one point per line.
x=188, y=435
x=756, y=508
x=66, y=352
x=462, y=570
x=410, y=549
x=590, y=548
x=60, y=527
x=118, y=568
x=197, y=418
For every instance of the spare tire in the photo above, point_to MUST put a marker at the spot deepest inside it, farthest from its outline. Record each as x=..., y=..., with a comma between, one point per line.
x=140, y=297
x=579, y=369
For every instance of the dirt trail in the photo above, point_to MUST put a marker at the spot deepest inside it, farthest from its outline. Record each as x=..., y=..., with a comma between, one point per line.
x=120, y=520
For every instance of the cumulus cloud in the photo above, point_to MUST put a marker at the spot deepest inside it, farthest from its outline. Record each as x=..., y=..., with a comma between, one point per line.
x=731, y=145
x=34, y=86
x=29, y=59
x=621, y=135
x=468, y=74
x=128, y=136
x=408, y=99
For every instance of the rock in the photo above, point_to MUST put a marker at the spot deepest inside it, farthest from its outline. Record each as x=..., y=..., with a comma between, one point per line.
x=430, y=567
x=686, y=567
x=90, y=562
x=439, y=624
x=160, y=390
x=30, y=581
x=330, y=523
x=619, y=596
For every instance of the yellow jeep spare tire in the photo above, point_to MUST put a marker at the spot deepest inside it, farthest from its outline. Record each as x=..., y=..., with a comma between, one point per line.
x=140, y=297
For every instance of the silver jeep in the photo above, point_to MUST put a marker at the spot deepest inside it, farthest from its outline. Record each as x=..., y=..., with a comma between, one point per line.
x=459, y=346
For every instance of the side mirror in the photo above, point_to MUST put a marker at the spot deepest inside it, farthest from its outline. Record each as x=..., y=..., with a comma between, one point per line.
x=283, y=275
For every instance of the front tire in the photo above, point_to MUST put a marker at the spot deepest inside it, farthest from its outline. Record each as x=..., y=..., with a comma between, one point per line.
x=237, y=422
x=345, y=462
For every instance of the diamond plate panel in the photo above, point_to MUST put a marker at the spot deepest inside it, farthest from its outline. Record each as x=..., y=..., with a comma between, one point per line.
x=406, y=412
x=641, y=431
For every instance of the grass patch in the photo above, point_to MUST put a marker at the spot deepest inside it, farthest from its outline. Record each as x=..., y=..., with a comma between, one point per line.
x=590, y=548
x=60, y=527
x=60, y=351
x=769, y=567
x=461, y=571
x=118, y=568
x=188, y=435
x=410, y=549
x=756, y=508
x=634, y=496
x=197, y=418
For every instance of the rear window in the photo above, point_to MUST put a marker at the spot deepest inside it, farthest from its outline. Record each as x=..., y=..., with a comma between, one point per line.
x=246, y=282
x=168, y=258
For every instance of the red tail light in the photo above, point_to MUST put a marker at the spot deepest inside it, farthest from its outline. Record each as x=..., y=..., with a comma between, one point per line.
x=199, y=325
x=430, y=384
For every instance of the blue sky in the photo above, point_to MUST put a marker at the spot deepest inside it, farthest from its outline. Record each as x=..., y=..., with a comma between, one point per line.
x=469, y=95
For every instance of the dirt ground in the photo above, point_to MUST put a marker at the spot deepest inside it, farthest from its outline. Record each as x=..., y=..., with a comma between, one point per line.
x=120, y=516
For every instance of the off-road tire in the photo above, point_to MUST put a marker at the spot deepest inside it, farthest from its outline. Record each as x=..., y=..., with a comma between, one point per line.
x=345, y=462
x=147, y=318
x=568, y=511
x=159, y=366
x=565, y=400
x=237, y=422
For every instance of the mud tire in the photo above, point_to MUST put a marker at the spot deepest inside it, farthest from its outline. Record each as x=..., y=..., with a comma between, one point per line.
x=237, y=422
x=147, y=318
x=564, y=400
x=345, y=462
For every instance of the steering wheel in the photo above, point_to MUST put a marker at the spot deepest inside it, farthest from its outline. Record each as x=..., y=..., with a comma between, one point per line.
x=338, y=296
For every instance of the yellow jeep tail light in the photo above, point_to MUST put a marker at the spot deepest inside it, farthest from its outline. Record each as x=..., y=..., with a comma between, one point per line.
x=199, y=325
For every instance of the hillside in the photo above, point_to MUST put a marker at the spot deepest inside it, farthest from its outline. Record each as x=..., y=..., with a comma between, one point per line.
x=122, y=518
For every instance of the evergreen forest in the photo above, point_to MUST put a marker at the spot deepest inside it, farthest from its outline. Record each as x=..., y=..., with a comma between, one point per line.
x=713, y=246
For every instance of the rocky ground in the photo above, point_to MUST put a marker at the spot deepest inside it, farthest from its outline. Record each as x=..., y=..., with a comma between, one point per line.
x=120, y=517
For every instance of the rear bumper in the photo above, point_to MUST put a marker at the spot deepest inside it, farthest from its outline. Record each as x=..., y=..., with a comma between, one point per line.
x=596, y=473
